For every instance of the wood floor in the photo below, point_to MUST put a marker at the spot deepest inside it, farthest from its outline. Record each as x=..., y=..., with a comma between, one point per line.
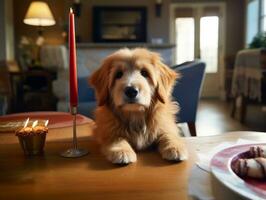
x=214, y=118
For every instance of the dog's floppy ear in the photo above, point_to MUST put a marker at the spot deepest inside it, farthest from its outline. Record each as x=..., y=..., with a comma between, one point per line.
x=99, y=80
x=166, y=80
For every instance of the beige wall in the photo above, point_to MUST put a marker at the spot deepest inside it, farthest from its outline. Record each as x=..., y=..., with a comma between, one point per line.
x=6, y=30
x=235, y=26
x=2, y=31
x=157, y=27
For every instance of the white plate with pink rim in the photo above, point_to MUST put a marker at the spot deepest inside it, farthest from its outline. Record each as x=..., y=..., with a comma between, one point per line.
x=221, y=168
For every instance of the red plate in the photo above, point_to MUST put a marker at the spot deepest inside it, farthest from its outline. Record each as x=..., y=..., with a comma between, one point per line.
x=56, y=119
x=221, y=167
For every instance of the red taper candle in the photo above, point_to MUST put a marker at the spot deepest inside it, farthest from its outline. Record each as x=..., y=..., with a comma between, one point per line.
x=73, y=83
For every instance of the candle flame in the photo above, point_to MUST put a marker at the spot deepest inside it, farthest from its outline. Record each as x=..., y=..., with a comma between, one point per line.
x=46, y=123
x=34, y=123
x=26, y=122
x=71, y=10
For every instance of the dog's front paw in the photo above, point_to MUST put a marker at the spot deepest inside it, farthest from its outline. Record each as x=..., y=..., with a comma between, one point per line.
x=174, y=153
x=122, y=156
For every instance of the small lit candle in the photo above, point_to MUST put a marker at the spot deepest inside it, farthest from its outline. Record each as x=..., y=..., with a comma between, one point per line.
x=73, y=84
x=34, y=124
x=46, y=123
x=25, y=130
x=26, y=123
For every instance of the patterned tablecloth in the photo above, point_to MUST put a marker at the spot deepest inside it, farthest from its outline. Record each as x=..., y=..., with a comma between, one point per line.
x=248, y=73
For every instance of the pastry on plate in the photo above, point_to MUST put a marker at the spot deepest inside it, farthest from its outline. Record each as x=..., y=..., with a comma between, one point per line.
x=252, y=167
x=257, y=151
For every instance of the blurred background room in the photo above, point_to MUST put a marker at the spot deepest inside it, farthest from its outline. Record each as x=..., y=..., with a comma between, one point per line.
x=227, y=36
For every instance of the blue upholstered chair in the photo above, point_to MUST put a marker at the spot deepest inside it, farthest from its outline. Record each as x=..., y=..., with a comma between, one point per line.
x=87, y=102
x=187, y=92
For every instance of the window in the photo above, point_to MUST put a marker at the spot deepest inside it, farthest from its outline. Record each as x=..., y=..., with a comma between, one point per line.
x=256, y=19
x=263, y=16
x=185, y=39
x=252, y=20
x=209, y=34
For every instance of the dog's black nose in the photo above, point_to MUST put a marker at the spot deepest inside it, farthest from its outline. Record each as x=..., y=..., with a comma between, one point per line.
x=131, y=92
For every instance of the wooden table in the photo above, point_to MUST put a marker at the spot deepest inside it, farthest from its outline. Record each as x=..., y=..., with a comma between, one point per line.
x=92, y=177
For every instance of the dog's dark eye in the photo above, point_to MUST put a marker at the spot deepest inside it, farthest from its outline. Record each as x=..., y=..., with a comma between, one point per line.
x=144, y=73
x=118, y=75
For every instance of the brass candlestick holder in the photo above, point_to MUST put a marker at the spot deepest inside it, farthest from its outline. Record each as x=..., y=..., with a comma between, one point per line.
x=74, y=152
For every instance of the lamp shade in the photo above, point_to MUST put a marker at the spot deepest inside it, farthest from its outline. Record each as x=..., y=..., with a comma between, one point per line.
x=39, y=14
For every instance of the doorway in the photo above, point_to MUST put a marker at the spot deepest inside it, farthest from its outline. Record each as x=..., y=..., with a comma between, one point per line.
x=199, y=34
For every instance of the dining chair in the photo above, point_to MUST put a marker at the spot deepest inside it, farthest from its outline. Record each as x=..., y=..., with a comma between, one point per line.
x=187, y=92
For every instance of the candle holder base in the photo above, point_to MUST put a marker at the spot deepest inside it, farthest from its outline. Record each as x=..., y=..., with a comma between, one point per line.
x=74, y=153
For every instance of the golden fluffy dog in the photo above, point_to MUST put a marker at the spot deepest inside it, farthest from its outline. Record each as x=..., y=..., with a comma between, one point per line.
x=133, y=90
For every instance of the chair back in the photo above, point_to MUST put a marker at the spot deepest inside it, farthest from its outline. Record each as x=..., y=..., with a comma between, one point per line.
x=85, y=92
x=188, y=89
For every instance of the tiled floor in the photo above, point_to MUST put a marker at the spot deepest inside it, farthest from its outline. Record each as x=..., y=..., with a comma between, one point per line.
x=214, y=118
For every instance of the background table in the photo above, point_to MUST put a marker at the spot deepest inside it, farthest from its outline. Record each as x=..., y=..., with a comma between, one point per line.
x=92, y=177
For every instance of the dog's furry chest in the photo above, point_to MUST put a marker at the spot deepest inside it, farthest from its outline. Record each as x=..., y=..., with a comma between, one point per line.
x=136, y=129
x=139, y=136
x=140, y=140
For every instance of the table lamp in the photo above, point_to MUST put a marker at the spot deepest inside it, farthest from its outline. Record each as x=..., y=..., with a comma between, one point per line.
x=40, y=15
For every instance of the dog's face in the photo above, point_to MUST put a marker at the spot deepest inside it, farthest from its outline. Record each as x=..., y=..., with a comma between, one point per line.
x=132, y=83
x=130, y=80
